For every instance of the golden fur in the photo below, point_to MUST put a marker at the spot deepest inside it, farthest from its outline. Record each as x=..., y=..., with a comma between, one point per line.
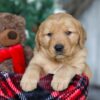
x=63, y=29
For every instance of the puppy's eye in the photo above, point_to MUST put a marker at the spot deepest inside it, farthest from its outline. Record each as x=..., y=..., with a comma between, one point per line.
x=49, y=34
x=68, y=33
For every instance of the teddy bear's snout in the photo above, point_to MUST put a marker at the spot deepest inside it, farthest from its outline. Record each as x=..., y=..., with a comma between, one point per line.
x=12, y=35
x=9, y=37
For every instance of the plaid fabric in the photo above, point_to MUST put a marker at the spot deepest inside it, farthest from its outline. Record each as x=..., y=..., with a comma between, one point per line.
x=10, y=89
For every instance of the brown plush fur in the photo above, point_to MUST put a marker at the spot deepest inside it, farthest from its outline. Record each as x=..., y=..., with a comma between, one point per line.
x=10, y=22
x=12, y=32
x=62, y=29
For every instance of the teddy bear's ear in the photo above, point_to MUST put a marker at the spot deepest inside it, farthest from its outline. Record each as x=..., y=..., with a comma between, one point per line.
x=21, y=21
x=11, y=18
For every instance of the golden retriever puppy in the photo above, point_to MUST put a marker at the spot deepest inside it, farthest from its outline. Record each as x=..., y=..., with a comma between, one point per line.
x=59, y=50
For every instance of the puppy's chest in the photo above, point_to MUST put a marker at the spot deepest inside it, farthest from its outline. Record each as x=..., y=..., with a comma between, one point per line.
x=49, y=66
x=52, y=67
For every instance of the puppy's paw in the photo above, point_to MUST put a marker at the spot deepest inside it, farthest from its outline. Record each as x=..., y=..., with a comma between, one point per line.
x=28, y=84
x=60, y=84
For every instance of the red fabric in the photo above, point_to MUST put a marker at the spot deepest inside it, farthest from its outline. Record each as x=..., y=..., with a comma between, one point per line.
x=10, y=89
x=77, y=90
x=16, y=53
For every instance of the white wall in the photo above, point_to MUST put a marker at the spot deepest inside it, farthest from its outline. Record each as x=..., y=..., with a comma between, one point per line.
x=91, y=22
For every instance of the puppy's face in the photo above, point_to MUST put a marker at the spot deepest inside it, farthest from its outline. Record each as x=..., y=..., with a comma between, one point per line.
x=60, y=35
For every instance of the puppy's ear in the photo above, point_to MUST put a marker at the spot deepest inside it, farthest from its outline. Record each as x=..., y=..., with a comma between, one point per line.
x=37, y=40
x=38, y=36
x=82, y=37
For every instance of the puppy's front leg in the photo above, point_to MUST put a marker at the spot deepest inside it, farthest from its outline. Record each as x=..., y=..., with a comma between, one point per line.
x=31, y=77
x=62, y=78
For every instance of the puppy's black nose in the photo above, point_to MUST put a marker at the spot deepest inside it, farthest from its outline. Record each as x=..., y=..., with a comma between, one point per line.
x=59, y=47
x=12, y=35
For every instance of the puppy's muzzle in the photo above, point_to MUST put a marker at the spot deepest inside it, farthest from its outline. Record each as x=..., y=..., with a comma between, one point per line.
x=59, y=48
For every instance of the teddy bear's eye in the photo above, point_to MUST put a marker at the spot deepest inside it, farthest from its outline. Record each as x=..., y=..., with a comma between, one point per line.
x=68, y=33
x=49, y=34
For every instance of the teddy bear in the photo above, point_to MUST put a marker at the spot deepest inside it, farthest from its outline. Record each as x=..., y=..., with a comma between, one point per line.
x=12, y=37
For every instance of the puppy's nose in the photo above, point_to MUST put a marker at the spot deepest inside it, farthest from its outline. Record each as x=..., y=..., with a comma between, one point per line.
x=12, y=35
x=59, y=47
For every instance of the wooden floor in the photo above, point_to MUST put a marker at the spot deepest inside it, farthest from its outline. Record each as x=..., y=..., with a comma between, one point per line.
x=94, y=93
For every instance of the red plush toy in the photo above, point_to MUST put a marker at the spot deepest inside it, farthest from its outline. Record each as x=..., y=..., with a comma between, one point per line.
x=12, y=35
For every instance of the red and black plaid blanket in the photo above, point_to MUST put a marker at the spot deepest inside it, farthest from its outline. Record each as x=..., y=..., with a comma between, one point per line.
x=10, y=89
